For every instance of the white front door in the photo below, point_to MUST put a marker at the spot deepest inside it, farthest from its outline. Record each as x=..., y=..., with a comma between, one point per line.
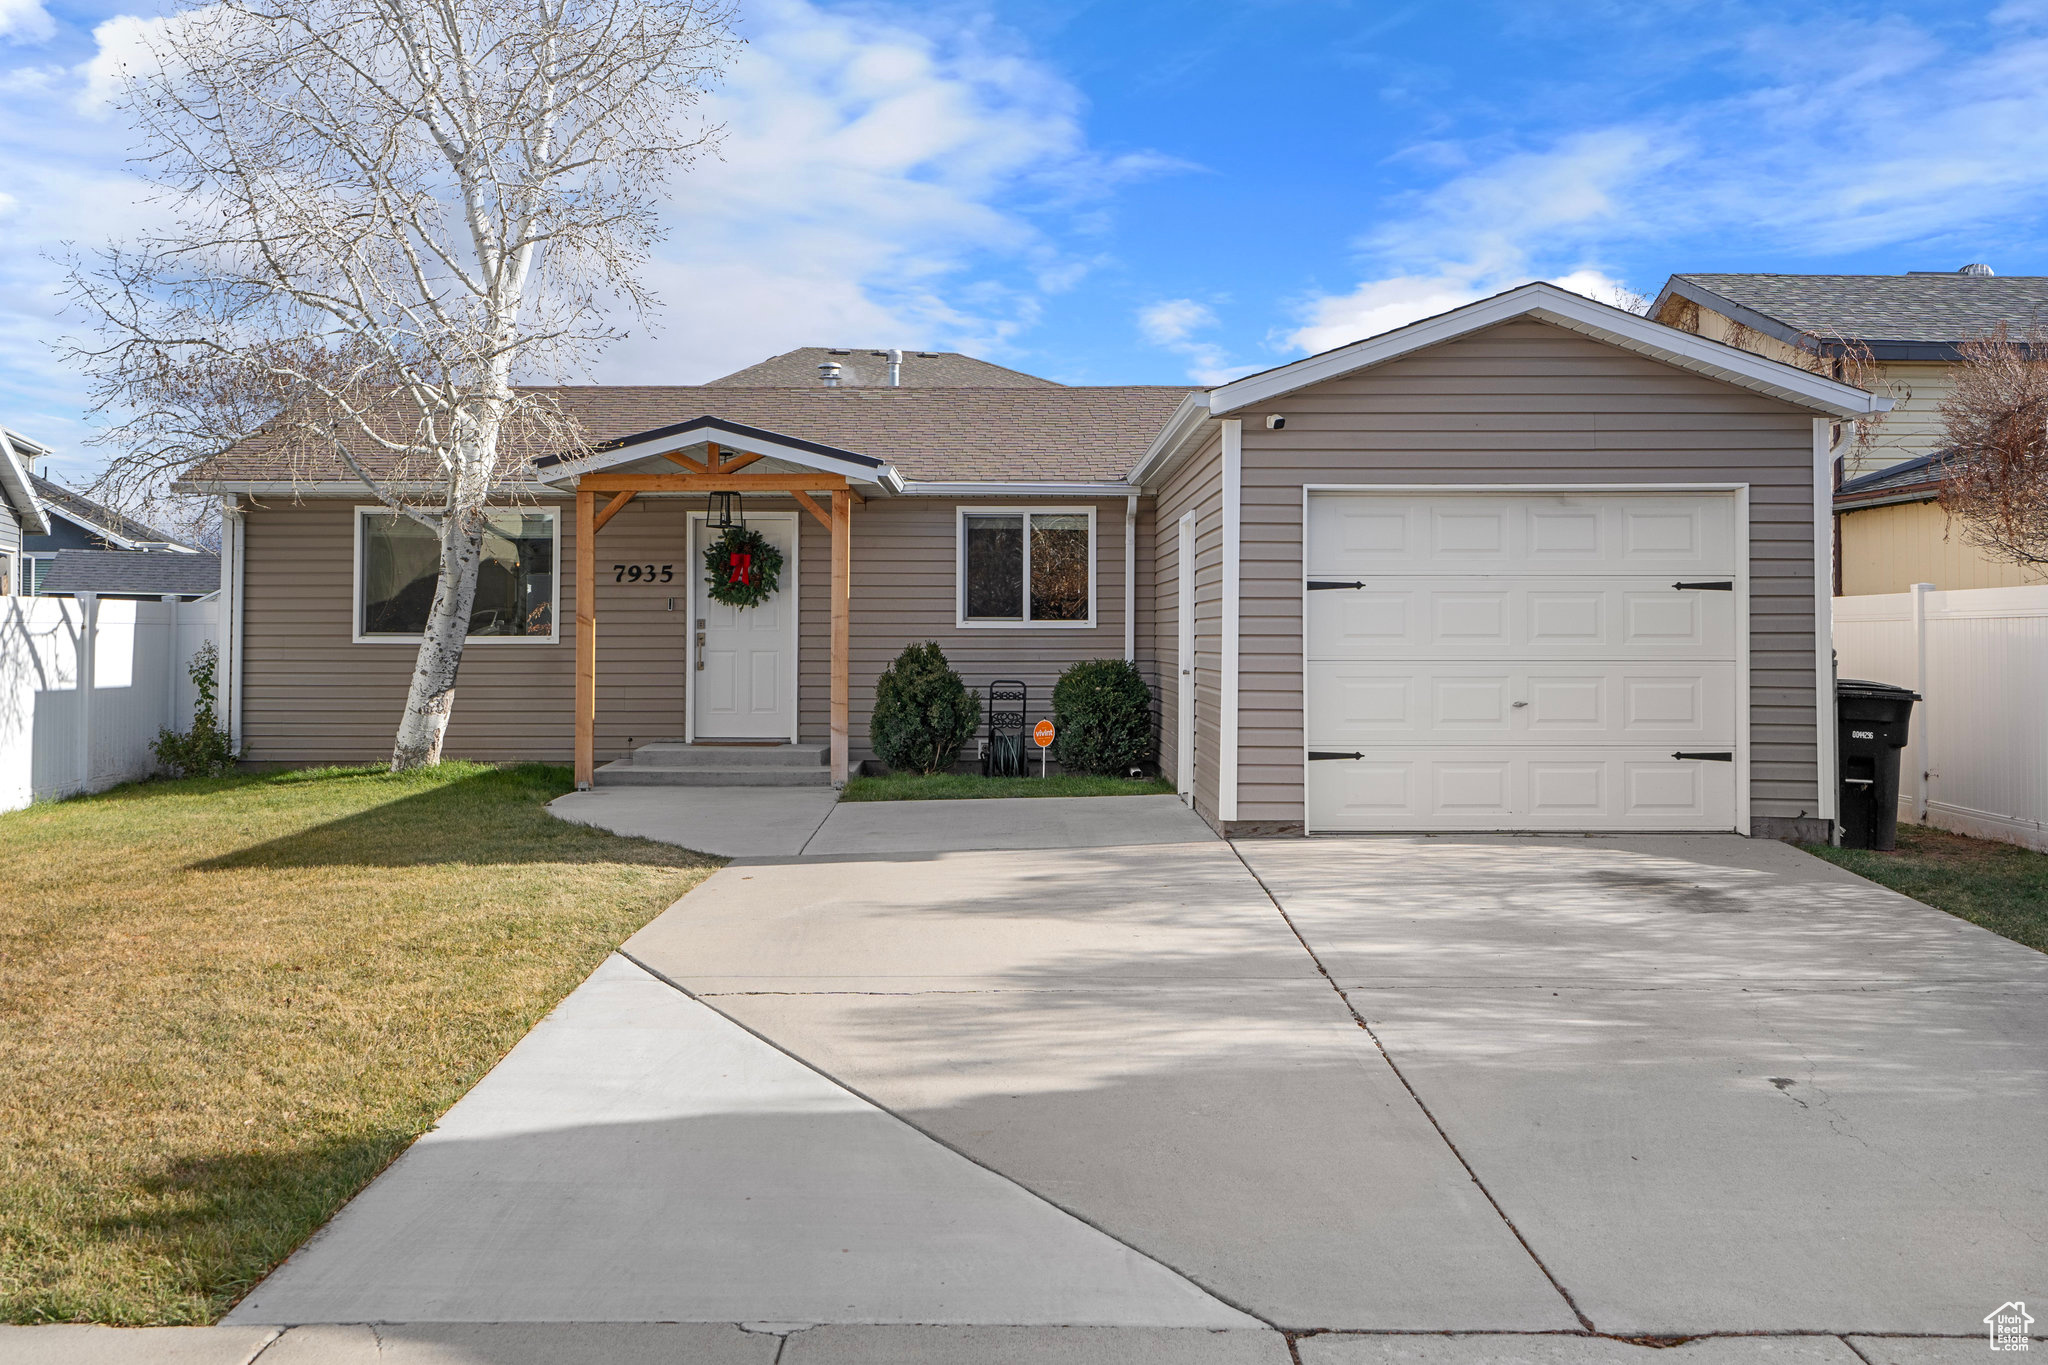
x=1522, y=661
x=743, y=681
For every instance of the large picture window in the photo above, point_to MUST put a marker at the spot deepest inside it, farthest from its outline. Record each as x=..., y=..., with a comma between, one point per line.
x=1027, y=566
x=398, y=560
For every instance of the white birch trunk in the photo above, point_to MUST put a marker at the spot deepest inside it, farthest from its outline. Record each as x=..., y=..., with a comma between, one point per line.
x=431, y=698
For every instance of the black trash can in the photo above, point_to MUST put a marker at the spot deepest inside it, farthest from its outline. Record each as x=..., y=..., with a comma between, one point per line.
x=1874, y=720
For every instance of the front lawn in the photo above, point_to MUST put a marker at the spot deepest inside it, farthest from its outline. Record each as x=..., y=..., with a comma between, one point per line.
x=2000, y=886
x=973, y=786
x=225, y=1005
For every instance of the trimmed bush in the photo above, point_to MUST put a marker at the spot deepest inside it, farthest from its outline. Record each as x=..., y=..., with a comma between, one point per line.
x=923, y=712
x=1102, y=715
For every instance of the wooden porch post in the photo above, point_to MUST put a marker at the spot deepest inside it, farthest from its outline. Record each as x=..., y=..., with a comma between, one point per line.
x=842, y=602
x=586, y=637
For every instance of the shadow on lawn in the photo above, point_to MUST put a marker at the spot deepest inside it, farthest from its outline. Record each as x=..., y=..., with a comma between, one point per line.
x=488, y=817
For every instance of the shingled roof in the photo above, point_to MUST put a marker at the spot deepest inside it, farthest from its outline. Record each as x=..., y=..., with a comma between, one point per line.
x=132, y=573
x=98, y=517
x=1908, y=481
x=1899, y=317
x=1050, y=434
x=861, y=368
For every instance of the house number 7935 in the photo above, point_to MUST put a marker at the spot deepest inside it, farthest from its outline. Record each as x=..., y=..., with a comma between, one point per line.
x=643, y=573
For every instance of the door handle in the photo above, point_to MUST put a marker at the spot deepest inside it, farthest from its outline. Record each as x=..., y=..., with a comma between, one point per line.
x=700, y=651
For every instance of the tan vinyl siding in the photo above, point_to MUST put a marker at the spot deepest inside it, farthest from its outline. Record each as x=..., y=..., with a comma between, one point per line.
x=904, y=587
x=1527, y=403
x=311, y=695
x=1196, y=486
x=1890, y=548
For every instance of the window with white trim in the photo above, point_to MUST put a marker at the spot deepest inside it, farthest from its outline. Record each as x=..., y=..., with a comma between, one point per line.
x=1026, y=566
x=398, y=562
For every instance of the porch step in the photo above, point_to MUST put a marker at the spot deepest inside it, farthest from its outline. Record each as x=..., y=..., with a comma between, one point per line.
x=675, y=754
x=628, y=773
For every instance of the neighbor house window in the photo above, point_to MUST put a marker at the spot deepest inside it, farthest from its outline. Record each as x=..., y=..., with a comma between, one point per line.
x=1026, y=566
x=398, y=561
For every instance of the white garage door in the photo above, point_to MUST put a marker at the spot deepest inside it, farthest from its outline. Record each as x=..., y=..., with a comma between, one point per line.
x=1521, y=661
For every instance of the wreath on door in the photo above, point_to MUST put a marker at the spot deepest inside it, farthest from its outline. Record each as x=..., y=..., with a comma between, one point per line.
x=741, y=568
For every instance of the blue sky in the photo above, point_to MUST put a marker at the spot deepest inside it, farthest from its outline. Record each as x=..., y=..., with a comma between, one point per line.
x=1143, y=191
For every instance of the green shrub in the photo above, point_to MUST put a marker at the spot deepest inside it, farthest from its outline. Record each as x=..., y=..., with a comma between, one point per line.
x=205, y=750
x=1102, y=715
x=923, y=712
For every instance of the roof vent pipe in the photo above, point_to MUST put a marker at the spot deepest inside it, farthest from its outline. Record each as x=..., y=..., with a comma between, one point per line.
x=1976, y=268
x=895, y=369
x=828, y=373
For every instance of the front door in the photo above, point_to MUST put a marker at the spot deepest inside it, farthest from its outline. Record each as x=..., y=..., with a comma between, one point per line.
x=743, y=681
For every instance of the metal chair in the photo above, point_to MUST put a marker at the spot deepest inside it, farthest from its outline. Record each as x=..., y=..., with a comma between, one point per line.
x=1006, y=706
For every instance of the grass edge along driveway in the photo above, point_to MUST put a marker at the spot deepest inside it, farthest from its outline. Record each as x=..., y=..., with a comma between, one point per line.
x=226, y=1005
x=2002, y=887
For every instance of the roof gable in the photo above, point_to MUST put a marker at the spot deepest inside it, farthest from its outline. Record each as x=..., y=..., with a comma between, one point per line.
x=1573, y=312
x=17, y=488
x=790, y=451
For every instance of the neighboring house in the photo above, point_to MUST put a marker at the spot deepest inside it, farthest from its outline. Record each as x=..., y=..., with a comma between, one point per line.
x=80, y=523
x=1535, y=563
x=21, y=512
x=1897, y=335
x=130, y=573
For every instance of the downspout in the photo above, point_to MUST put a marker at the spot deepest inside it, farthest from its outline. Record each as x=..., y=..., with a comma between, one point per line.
x=1131, y=578
x=228, y=618
x=1233, y=575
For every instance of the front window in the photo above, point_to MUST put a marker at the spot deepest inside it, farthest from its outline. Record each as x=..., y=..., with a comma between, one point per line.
x=399, y=560
x=1024, y=566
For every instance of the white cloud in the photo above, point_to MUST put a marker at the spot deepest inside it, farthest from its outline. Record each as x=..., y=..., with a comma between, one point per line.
x=1897, y=139
x=25, y=21
x=1171, y=320
x=881, y=184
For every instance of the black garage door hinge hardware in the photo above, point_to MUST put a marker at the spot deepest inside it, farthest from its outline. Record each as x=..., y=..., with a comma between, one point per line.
x=1712, y=585
x=1315, y=754
x=1324, y=585
x=1722, y=757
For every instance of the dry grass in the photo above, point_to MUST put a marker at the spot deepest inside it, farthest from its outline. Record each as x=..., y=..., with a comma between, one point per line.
x=226, y=1005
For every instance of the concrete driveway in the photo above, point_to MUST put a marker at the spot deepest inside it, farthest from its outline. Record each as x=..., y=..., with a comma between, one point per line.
x=1050, y=1062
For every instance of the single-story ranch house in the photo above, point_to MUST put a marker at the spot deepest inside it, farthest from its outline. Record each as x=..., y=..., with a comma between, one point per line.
x=1533, y=564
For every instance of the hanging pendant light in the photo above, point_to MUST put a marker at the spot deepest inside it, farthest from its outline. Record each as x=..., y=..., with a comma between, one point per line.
x=722, y=511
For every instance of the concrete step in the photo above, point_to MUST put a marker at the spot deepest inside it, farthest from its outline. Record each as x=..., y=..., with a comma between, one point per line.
x=679, y=755
x=626, y=773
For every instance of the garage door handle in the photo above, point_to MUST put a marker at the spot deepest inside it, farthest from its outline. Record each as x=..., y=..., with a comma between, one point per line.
x=1315, y=755
x=1713, y=585
x=1722, y=757
x=1325, y=585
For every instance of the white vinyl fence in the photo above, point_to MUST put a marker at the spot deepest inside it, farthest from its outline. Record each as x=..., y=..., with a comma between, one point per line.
x=58, y=739
x=1978, y=760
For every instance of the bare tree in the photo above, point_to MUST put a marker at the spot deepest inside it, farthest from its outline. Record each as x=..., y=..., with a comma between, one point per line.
x=1995, y=490
x=382, y=217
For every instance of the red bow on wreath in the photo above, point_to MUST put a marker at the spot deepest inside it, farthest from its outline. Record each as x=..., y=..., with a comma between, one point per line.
x=740, y=568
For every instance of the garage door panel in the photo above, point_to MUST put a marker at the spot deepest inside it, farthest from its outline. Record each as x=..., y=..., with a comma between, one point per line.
x=1520, y=533
x=1670, y=704
x=1512, y=788
x=1519, y=661
x=1483, y=618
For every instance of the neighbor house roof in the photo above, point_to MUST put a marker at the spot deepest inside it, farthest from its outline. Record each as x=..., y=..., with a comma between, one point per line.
x=1048, y=434
x=862, y=368
x=1922, y=316
x=145, y=573
x=119, y=530
x=1909, y=481
x=17, y=484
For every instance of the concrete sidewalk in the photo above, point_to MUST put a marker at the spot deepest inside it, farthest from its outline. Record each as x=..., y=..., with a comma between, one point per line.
x=637, y=1158
x=788, y=1344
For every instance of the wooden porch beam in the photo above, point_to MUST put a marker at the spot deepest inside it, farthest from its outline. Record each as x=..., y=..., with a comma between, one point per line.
x=842, y=604
x=711, y=483
x=612, y=509
x=677, y=457
x=586, y=638
x=809, y=504
x=740, y=462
